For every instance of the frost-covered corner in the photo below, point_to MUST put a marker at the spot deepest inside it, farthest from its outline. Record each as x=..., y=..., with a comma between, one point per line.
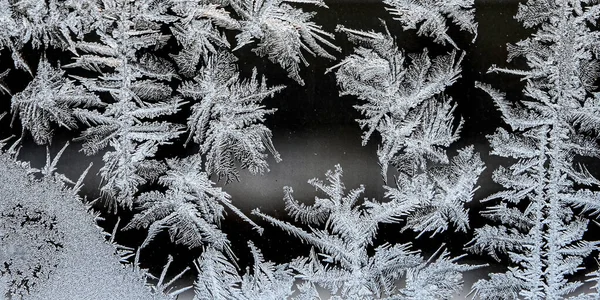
x=50, y=245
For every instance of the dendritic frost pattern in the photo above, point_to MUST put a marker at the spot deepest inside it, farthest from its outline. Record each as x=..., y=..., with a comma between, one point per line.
x=429, y=16
x=199, y=32
x=191, y=208
x=404, y=102
x=139, y=66
x=139, y=87
x=112, y=38
x=124, y=96
x=343, y=264
x=43, y=24
x=50, y=99
x=227, y=116
x=282, y=32
x=439, y=195
x=277, y=29
x=218, y=278
x=555, y=125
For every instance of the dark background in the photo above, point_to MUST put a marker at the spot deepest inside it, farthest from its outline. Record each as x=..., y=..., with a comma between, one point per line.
x=313, y=130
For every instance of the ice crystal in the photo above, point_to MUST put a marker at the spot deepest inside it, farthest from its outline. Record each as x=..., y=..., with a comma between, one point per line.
x=139, y=86
x=403, y=100
x=50, y=99
x=54, y=23
x=548, y=195
x=226, y=118
x=198, y=32
x=282, y=31
x=429, y=16
x=218, y=278
x=191, y=209
x=343, y=264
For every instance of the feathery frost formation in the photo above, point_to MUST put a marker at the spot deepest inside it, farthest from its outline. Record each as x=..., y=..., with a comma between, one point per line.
x=50, y=99
x=429, y=16
x=191, y=208
x=403, y=101
x=226, y=118
x=549, y=195
x=281, y=31
x=342, y=263
x=403, y=95
x=139, y=87
x=218, y=278
x=45, y=24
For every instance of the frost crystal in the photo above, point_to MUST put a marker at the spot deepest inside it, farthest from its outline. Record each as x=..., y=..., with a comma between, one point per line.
x=191, y=208
x=282, y=31
x=218, y=278
x=430, y=17
x=439, y=195
x=47, y=238
x=56, y=23
x=548, y=193
x=139, y=86
x=226, y=118
x=197, y=31
x=50, y=98
x=344, y=265
x=3, y=88
x=127, y=59
x=30, y=247
x=403, y=101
